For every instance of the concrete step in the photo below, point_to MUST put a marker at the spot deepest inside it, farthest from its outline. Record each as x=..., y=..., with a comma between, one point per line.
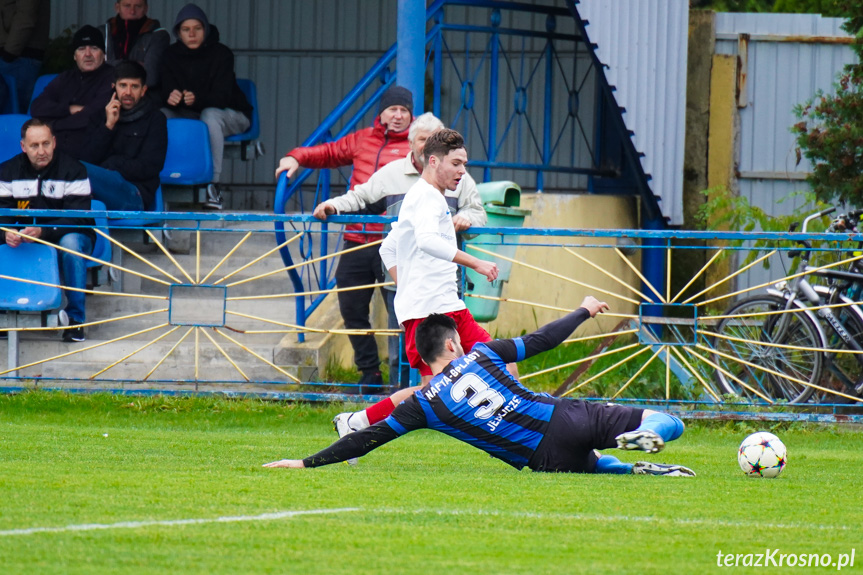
x=179, y=365
x=209, y=371
x=103, y=307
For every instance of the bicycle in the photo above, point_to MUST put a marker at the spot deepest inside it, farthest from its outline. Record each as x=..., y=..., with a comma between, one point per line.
x=774, y=346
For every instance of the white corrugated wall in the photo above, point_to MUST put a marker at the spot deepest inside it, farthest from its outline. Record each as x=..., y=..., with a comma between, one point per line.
x=644, y=46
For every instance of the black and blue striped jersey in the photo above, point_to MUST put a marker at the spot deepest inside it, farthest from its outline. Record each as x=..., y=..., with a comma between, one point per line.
x=474, y=399
x=479, y=402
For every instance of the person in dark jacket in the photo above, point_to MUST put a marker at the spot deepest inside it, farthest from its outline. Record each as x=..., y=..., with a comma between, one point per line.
x=198, y=81
x=74, y=96
x=128, y=144
x=24, y=27
x=43, y=178
x=132, y=36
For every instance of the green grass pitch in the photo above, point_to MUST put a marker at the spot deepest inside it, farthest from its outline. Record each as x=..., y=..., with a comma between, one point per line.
x=148, y=479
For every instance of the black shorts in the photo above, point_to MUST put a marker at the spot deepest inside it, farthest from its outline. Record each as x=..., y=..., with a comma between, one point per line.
x=577, y=428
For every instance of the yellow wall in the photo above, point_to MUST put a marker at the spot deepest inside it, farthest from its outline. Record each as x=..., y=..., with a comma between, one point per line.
x=720, y=155
x=572, y=212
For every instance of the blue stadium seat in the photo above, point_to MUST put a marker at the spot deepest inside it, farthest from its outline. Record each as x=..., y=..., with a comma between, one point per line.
x=10, y=135
x=25, y=304
x=189, y=161
x=39, y=87
x=11, y=104
x=251, y=91
x=249, y=146
x=157, y=205
x=30, y=261
x=101, y=247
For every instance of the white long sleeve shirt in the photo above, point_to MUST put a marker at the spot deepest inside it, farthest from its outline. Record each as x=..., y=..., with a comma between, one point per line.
x=395, y=179
x=422, y=246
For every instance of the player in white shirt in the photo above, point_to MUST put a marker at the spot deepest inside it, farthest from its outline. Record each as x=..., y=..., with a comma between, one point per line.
x=421, y=254
x=384, y=191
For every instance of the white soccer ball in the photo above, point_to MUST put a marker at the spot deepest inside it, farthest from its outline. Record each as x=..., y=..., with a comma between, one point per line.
x=762, y=454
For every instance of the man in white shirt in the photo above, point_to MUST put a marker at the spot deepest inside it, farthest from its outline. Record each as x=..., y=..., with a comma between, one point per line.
x=422, y=255
x=384, y=192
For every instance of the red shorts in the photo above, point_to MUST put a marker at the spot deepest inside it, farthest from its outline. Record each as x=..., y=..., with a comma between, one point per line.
x=469, y=331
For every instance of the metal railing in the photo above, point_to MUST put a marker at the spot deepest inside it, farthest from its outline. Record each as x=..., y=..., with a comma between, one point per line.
x=217, y=318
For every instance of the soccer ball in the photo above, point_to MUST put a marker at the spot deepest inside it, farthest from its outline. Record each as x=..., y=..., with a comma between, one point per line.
x=762, y=454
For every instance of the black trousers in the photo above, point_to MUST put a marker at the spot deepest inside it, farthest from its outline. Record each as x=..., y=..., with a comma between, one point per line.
x=362, y=267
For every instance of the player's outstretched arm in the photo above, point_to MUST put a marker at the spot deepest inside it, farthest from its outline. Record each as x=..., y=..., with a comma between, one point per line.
x=290, y=463
x=550, y=335
x=350, y=446
x=593, y=305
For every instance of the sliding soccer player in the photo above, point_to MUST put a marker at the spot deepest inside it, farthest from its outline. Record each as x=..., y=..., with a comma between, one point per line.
x=473, y=398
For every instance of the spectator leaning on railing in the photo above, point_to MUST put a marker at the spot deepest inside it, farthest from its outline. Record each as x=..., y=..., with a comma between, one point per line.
x=128, y=143
x=367, y=150
x=132, y=36
x=43, y=178
x=198, y=81
x=75, y=95
x=386, y=189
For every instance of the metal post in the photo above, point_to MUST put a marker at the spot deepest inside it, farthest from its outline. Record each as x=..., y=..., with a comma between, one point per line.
x=550, y=24
x=493, y=87
x=653, y=267
x=438, y=61
x=410, y=57
x=12, y=352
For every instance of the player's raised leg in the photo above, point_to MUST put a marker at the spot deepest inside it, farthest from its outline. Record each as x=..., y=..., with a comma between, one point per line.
x=656, y=428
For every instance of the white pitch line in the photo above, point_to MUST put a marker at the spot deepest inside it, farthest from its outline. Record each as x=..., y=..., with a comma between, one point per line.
x=136, y=524
x=616, y=518
x=448, y=512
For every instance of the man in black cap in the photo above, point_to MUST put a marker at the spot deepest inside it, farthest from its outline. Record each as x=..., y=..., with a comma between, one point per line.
x=367, y=150
x=73, y=97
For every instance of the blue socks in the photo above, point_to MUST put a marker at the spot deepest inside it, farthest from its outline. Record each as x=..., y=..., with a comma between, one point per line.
x=611, y=464
x=666, y=426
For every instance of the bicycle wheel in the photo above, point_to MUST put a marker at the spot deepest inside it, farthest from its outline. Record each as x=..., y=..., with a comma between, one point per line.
x=751, y=331
x=843, y=371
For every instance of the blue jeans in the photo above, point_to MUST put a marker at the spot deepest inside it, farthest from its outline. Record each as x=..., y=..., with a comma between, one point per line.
x=400, y=369
x=25, y=70
x=115, y=191
x=74, y=270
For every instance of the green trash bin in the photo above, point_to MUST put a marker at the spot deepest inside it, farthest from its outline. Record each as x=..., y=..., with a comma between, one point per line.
x=501, y=201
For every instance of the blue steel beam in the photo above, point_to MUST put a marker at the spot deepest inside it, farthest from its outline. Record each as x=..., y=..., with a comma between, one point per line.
x=663, y=234
x=411, y=42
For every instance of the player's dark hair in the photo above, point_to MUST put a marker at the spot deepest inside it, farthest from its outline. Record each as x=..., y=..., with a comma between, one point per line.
x=130, y=70
x=442, y=143
x=35, y=123
x=431, y=335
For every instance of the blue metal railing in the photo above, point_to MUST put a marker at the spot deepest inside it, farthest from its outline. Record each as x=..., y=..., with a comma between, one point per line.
x=680, y=335
x=535, y=145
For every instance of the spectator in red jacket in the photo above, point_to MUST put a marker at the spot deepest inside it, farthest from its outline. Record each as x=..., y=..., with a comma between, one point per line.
x=367, y=150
